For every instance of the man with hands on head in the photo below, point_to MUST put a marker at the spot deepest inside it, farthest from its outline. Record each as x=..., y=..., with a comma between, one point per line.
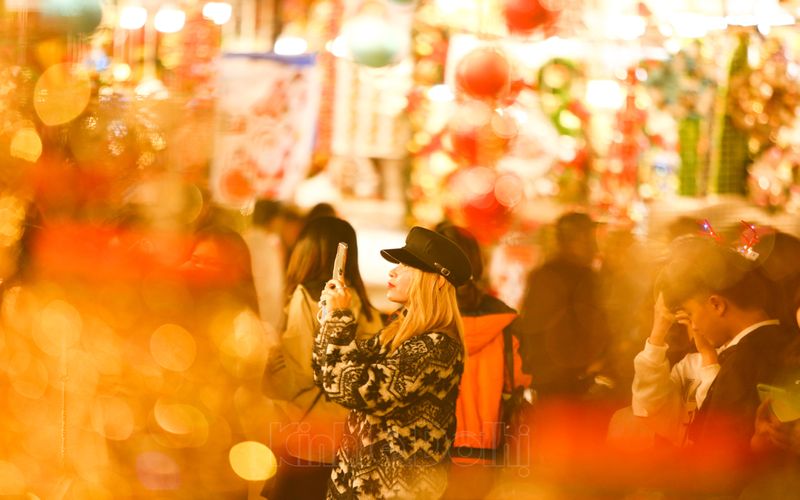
x=668, y=397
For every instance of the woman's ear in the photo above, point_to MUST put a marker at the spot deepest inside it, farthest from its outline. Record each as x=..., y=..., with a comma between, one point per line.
x=440, y=282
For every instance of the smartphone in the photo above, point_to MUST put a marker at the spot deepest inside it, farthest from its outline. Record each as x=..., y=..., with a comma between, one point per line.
x=338, y=274
x=340, y=261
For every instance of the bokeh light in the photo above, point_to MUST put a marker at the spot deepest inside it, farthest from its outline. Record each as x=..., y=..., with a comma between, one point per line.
x=58, y=328
x=26, y=145
x=252, y=461
x=61, y=93
x=112, y=417
x=158, y=471
x=173, y=347
x=12, y=481
x=187, y=426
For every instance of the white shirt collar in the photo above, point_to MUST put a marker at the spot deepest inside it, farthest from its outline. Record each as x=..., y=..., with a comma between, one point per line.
x=735, y=340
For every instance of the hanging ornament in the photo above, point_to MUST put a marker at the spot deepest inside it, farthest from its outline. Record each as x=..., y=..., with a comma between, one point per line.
x=476, y=204
x=480, y=135
x=375, y=42
x=484, y=73
x=525, y=16
x=773, y=177
x=71, y=16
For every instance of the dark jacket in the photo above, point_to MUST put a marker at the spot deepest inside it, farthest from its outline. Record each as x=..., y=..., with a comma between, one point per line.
x=726, y=421
x=562, y=327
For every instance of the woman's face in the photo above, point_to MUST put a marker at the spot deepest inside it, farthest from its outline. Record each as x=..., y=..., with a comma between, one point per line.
x=399, y=284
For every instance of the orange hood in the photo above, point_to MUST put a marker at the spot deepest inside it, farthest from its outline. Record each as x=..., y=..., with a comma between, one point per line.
x=480, y=331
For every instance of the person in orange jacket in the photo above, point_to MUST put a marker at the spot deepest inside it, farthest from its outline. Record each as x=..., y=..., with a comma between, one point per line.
x=480, y=429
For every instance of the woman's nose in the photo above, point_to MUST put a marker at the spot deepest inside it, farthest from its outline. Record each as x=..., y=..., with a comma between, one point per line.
x=393, y=272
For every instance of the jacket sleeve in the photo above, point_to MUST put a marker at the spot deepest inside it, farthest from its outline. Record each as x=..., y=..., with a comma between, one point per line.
x=288, y=371
x=353, y=374
x=661, y=393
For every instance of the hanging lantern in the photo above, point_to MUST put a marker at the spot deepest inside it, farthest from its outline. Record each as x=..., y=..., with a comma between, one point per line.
x=71, y=16
x=525, y=16
x=374, y=42
x=484, y=73
x=476, y=205
x=480, y=135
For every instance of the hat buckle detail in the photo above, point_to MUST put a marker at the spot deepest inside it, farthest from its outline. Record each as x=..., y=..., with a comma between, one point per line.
x=442, y=270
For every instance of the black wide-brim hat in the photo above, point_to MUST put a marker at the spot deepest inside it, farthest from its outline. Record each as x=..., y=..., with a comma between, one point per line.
x=430, y=251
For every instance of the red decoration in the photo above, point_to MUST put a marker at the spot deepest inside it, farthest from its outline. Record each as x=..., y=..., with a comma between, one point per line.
x=484, y=73
x=525, y=16
x=236, y=186
x=479, y=135
x=477, y=205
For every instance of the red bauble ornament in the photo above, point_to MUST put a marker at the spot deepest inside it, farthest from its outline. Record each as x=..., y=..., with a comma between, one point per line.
x=480, y=135
x=484, y=73
x=525, y=16
x=477, y=206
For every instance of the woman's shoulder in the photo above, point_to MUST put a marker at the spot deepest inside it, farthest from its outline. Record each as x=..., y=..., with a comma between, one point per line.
x=432, y=341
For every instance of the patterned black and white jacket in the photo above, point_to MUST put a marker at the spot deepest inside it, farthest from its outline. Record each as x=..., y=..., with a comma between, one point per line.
x=402, y=420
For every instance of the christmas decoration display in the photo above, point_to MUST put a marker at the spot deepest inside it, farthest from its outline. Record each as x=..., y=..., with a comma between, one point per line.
x=374, y=41
x=764, y=100
x=730, y=153
x=484, y=73
x=525, y=16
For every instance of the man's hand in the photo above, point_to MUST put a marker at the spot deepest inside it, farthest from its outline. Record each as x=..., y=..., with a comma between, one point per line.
x=663, y=320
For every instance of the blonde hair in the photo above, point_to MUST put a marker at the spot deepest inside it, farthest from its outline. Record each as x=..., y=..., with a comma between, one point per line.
x=430, y=307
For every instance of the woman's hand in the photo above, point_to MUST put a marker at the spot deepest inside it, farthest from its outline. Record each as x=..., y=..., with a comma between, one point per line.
x=335, y=295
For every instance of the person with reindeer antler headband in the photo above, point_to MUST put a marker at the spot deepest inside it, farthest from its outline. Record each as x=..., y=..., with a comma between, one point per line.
x=708, y=400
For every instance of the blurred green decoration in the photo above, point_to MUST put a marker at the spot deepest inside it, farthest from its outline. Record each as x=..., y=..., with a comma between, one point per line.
x=730, y=154
x=555, y=82
x=375, y=42
x=688, y=149
x=402, y=2
x=76, y=17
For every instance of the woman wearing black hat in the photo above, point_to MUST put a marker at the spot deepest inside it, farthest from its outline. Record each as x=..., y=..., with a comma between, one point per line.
x=401, y=385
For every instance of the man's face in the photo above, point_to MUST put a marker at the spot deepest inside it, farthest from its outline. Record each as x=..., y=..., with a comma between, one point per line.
x=705, y=319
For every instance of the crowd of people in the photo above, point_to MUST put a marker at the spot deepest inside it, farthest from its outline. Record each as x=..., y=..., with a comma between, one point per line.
x=630, y=367
x=666, y=349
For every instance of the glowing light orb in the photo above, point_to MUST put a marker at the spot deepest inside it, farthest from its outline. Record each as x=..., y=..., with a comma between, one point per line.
x=61, y=93
x=26, y=145
x=12, y=481
x=112, y=418
x=58, y=328
x=252, y=461
x=173, y=347
x=158, y=471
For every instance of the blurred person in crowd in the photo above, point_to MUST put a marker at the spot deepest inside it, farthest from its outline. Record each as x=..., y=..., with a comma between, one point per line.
x=778, y=254
x=321, y=210
x=219, y=258
x=562, y=327
x=724, y=300
x=488, y=340
x=316, y=423
x=268, y=260
x=400, y=385
x=777, y=428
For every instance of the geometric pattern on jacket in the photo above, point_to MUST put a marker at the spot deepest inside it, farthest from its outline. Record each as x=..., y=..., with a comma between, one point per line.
x=402, y=419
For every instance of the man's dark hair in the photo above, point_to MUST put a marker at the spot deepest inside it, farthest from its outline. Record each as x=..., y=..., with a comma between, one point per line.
x=699, y=265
